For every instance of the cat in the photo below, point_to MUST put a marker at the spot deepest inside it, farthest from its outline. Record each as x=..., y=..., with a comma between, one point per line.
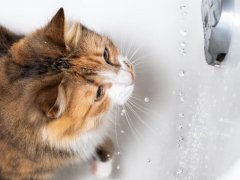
x=57, y=87
x=7, y=38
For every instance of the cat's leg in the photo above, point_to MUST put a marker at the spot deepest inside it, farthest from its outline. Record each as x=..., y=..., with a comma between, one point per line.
x=103, y=160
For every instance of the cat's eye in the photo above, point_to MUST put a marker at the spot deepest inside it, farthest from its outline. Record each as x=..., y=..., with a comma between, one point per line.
x=106, y=56
x=100, y=93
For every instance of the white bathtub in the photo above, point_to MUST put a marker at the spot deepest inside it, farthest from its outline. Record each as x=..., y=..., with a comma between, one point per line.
x=191, y=129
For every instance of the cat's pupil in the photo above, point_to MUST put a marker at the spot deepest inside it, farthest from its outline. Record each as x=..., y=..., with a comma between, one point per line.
x=100, y=93
x=106, y=55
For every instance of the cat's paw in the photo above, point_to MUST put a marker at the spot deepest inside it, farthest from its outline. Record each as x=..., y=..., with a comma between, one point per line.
x=102, y=169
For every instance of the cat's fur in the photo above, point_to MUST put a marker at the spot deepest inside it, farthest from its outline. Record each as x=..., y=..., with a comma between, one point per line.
x=7, y=38
x=50, y=110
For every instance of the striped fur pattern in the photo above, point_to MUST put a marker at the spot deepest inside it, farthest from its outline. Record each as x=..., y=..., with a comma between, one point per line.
x=57, y=86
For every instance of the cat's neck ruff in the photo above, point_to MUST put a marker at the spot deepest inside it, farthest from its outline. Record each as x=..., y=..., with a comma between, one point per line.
x=85, y=144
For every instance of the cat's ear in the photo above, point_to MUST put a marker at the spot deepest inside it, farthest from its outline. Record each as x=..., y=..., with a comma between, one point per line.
x=52, y=101
x=56, y=27
x=73, y=35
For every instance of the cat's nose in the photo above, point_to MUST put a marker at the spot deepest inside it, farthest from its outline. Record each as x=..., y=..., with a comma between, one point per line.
x=130, y=69
x=128, y=64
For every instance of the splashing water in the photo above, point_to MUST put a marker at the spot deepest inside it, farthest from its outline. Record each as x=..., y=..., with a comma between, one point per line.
x=184, y=32
x=183, y=44
x=183, y=7
x=181, y=115
x=146, y=99
x=179, y=172
x=149, y=160
x=182, y=99
x=180, y=127
x=182, y=73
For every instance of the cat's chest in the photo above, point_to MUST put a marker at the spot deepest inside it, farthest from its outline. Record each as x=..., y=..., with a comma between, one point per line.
x=86, y=144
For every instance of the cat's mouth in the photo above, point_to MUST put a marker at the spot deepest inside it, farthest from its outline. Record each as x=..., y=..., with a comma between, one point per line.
x=123, y=77
x=122, y=85
x=122, y=82
x=119, y=94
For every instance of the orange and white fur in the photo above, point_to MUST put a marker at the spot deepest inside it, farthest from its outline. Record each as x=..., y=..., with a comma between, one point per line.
x=57, y=87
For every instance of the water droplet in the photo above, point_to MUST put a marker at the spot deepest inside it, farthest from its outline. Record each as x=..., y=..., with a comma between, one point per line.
x=181, y=115
x=118, y=167
x=184, y=53
x=118, y=153
x=183, y=44
x=123, y=112
x=180, y=93
x=184, y=32
x=122, y=131
x=180, y=147
x=182, y=99
x=183, y=7
x=146, y=99
x=179, y=171
x=180, y=127
x=217, y=65
x=181, y=73
x=182, y=49
x=184, y=13
x=181, y=139
x=148, y=160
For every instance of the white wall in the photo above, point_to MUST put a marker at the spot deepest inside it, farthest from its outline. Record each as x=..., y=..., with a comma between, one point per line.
x=207, y=144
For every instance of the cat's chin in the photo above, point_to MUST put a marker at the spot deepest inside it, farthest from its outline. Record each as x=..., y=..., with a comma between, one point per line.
x=119, y=94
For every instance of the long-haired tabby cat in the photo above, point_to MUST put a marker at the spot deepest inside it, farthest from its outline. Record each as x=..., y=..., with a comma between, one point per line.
x=57, y=86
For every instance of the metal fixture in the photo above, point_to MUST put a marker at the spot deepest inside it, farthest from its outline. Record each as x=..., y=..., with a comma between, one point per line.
x=218, y=17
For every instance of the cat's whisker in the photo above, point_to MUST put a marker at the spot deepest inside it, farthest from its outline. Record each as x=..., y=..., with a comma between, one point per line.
x=139, y=59
x=121, y=47
x=134, y=53
x=124, y=48
x=138, y=69
x=140, y=63
x=129, y=124
x=143, y=109
x=129, y=49
x=133, y=99
x=139, y=118
x=131, y=120
x=139, y=106
x=116, y=133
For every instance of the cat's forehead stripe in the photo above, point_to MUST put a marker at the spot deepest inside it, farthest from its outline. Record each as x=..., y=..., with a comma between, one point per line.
x=38, y=67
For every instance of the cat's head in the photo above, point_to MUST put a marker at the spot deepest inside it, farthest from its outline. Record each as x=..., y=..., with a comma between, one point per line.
x=70, y=78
